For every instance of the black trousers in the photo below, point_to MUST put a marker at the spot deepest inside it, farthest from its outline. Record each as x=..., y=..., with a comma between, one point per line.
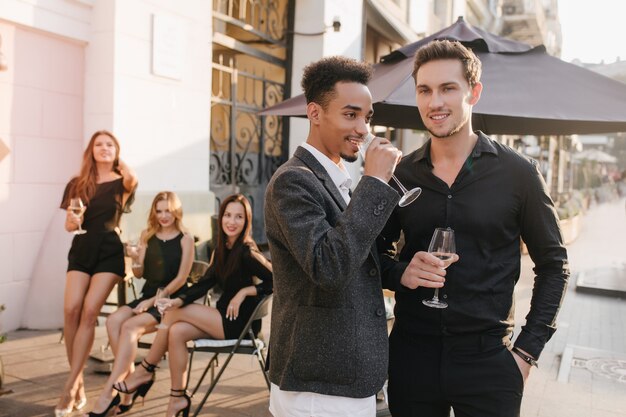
x=476, y=375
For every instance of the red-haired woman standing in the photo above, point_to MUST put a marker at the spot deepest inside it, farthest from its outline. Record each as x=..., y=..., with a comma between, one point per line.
x=95, y=201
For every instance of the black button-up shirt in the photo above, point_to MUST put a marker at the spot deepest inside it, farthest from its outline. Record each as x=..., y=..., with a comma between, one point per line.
x=498, y=196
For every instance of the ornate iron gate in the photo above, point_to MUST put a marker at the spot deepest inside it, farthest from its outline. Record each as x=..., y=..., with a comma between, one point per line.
x=250, y=68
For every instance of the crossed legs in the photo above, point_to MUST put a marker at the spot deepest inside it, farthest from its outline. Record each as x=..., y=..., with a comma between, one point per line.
x=190, y=322
x=124, y=330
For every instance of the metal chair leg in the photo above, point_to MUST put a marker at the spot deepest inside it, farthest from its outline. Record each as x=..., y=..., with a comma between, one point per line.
x=214, y=383
x=213, y=363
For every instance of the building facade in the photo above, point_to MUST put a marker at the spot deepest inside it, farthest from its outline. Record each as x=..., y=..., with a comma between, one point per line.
x=138, y=68
x=180, y=85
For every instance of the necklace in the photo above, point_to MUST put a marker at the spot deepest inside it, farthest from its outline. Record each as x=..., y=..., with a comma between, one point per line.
x=167, y=238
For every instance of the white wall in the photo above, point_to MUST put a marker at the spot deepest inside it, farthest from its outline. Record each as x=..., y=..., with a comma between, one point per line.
x=67, y=18
x=76, y=66
x=163, y=123
x=313, y=16
x=41, y=120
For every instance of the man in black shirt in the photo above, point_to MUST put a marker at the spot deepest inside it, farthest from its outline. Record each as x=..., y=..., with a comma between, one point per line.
x=491, y=196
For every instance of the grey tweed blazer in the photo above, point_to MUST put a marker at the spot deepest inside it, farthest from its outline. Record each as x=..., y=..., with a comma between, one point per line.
x=329, y=332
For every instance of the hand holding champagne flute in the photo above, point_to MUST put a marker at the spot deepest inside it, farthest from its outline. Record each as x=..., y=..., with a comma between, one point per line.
x=78, y=209
x=162, y=302
x=443, y=247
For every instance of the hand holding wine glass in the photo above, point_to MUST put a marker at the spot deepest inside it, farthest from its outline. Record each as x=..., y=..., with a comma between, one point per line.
x=132, y=250
x=443, y=247
x=408, y=196
x=78, y=209
x=162, y=302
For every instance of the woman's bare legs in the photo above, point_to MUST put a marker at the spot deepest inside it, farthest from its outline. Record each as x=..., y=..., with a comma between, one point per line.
x=76, y=285
x=180, y=333
x=95, y=290
x=160, y=343
x=126, y=351
x=193, y=322
x=159, y=346
x=114, y=327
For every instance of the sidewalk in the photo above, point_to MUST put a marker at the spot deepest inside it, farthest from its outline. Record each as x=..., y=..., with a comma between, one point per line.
x=36, y=368
x=591, y=330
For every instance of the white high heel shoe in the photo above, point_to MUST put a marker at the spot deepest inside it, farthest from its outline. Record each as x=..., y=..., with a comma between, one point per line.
x=62, y=412
x=80, y=404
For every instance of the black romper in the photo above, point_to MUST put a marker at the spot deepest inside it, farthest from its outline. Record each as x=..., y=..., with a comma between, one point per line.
x=252, y=264
x=161, y=265
x=100, y=249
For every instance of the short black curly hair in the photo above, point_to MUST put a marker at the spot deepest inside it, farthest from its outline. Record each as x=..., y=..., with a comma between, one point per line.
x=319, y=78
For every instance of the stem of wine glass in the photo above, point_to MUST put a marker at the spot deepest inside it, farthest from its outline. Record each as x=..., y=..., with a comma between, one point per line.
x=404, y=190
x=436, y=296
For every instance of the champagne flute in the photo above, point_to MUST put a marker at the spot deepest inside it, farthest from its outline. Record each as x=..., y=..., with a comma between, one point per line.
x=443, y=247
x=162, y=301
x=78, y=208
x=408, y=196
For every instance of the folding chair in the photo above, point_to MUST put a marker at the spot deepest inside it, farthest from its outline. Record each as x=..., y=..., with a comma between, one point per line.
x=198, y=268
x=204, y=250
x=247, y=344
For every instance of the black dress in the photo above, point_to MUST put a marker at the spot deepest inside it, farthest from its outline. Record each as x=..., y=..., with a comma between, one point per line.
x=252, y=264
x=100, y=249
x=161, y=265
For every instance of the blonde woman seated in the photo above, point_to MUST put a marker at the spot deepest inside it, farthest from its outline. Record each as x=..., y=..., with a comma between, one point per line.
x=164, y=259
x=236, y=261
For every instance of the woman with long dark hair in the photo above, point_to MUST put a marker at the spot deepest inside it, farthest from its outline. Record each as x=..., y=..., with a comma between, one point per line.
x=164, y=258
x=95, y=201
x=236, y=261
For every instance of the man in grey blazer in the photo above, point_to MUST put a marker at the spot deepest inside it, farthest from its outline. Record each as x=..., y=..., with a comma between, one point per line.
x=328, y=334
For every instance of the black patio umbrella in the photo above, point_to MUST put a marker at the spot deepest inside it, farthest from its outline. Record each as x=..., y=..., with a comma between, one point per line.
x=525, y=90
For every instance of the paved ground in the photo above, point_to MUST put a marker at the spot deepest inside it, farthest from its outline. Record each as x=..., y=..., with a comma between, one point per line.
x=589, y=382
x=591, y=327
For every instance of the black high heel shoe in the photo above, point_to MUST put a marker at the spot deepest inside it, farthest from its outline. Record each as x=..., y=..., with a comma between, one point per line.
x=115, y=401
x=177, y=393
x=140, y=391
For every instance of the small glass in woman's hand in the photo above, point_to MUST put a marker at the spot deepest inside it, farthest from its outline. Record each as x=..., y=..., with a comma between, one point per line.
x=443, y=247
x=132, y=250
x=78, y=208
x=162, y=302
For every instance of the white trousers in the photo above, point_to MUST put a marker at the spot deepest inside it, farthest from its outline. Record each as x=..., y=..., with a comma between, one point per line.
x=311, y=404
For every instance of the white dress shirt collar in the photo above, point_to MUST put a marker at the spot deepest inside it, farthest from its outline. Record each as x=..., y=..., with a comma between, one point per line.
x=337, y=172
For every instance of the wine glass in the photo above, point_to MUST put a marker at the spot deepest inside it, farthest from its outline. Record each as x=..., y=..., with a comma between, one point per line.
x=78, y=208
x=162, y=301
x=132, y=249
x=443, y=247
x=408, y=196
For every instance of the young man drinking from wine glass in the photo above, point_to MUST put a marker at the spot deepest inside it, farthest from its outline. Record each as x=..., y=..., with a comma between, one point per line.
x=329, y=349
x=462, y=356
